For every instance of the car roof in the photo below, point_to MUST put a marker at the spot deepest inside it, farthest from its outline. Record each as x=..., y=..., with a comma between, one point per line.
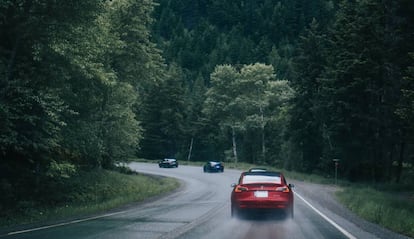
x=265, y=173
x=261, y=177
x=257, y=170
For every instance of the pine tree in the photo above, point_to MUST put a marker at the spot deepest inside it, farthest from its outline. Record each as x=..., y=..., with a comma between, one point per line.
x=355, y=90
x=163, y=114
x=306, y=122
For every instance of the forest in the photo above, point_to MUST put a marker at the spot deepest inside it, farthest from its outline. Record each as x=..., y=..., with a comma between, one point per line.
x=291, y=84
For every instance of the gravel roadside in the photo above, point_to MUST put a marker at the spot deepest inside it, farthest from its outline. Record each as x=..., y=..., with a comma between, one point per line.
x=323, y=198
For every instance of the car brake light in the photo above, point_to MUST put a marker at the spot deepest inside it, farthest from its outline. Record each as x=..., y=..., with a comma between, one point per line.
x=282, y=189
x=240, y=189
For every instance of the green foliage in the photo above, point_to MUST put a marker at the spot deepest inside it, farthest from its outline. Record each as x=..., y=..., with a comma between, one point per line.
x=200, y=35
x=246, y=102
x=406, y=108
x=87, y=84
x=347, y=68
x=87, y=192
x=357, y=95
x=70, y=77
x=306, y=122
x=222, y=96
x=163, y=111
x=210, y=33
x=60, y=170
x=392, y=210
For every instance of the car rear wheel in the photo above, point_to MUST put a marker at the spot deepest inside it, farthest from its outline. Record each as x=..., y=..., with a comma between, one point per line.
x=289, y=212
x=234, y=212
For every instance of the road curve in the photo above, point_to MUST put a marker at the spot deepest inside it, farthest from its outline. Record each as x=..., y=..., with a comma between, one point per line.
x=200, y=209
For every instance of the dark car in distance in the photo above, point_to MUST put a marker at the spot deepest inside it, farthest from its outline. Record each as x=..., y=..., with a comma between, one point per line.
x=168, y=163
x=213, y=166
x=264, y=191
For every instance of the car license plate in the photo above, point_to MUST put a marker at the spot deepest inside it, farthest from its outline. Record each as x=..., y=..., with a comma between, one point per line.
x=261, y=194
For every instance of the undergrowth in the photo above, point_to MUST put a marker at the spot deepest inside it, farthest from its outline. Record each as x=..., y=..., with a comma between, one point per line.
x=87, y=193
x=393, y=209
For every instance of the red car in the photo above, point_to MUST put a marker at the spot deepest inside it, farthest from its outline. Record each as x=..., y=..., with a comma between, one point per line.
x=263, y=190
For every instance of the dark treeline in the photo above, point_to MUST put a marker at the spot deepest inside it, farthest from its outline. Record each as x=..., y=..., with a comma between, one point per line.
x=349, y=63
x=72, y=80
x=293, y=84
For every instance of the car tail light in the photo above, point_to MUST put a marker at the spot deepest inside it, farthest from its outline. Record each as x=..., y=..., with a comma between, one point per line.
x=283, y=189
x=240, y=189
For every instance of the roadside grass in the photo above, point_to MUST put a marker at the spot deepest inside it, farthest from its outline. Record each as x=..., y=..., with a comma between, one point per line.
x=90, y=193
x=389, y=207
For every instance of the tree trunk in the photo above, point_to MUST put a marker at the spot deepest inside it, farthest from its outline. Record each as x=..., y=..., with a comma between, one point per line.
x=234, y=144
x=11, y=63
x=389, y=162
x=263, y=146
x=191, y=149
x=103, y=158
x=400, y=163
x=263, y=136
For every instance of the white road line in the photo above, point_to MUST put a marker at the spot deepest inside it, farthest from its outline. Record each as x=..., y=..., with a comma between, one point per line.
x=63, y=224
x=346, y=233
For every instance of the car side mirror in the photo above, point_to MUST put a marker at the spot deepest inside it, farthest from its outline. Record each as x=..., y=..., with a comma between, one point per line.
x=233, y=185
x=291, y=185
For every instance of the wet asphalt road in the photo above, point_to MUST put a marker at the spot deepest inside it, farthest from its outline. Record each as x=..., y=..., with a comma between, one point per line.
x=199, y=210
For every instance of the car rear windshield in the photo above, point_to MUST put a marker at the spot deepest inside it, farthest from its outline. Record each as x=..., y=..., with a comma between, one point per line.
x=251, y=179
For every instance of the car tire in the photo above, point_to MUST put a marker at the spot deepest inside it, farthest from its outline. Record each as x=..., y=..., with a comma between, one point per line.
x=289, y=212
x=234, y=212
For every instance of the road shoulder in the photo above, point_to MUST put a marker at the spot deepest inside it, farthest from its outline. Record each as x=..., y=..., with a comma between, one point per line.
x=323, y=198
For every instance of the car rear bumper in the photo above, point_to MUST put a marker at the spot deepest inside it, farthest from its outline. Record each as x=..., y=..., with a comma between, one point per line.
x=263, y=204
x=168, y=165
x=215, y=170
x=272, y=202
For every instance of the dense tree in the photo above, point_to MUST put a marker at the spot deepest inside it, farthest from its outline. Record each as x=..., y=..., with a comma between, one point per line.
x=263, y=97
x=35, y=73
x=405, y=111
x=70, y=77
x=163, y=114
x=335, y=54
x=198, y=35
x=243, y=102
x=222, y=102
x=358, y=93
x=194, y=120
x=83, y=85
x=306, y=125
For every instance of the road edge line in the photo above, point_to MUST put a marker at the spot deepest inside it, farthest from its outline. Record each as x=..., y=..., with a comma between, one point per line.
x=341, y=229
x=60, y=224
